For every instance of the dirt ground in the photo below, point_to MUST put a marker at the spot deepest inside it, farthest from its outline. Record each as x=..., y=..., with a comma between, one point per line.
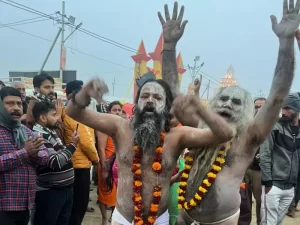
x=95, y=217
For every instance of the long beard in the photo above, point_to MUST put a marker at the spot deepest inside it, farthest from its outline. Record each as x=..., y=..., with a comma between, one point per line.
x=147, y=128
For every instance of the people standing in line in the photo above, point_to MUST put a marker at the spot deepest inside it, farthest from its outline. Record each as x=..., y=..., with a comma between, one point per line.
x=279, y=162
x=252, y=183
x=83, y=158
x=107, y=190
x=54, y=196
x=44, y=91
x=20, y=152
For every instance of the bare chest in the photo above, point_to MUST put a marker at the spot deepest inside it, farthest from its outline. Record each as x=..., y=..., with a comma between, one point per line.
x=221, y=201
x=223, y=197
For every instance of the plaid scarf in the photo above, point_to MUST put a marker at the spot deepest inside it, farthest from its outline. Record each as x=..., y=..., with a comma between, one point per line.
x=40, y=97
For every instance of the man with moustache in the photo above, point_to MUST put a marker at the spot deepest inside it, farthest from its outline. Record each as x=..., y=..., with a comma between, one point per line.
x=21, y=87
x=20, y=152
x=54, y=196
x=280, y=161
x=44, y=91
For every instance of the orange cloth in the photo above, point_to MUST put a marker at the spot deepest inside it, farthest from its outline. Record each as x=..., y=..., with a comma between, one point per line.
x=109, y=199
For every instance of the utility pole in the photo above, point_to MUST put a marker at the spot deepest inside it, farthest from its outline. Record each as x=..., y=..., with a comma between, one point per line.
x=71, y=20
x=52, y=46
x=113, y=84
x=62, y=50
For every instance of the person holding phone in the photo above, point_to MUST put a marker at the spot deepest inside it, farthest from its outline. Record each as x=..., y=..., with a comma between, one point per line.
x=20, y=152
x=54, y=196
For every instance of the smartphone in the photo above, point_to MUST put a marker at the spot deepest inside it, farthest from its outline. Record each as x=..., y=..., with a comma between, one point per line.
x=77, y=128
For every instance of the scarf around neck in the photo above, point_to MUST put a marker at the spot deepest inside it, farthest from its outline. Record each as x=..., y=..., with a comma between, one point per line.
x=58, y=145
x=15, y=126
x=42, y=98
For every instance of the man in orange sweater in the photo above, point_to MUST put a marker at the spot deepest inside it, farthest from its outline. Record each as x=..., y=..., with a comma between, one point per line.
x=83, y=158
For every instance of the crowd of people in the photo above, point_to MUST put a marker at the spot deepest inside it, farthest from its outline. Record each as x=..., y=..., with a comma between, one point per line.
x=173, y=161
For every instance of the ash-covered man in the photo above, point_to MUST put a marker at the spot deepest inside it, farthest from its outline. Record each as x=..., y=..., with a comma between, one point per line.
x=19, y=155
x=280, y=160
x=212, y=197
x=54, y=196
x=146, y=158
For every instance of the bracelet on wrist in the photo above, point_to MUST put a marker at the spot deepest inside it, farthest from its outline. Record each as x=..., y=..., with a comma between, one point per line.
x=75, y=103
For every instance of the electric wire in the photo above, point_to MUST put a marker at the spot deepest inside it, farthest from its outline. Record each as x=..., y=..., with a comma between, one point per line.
x=79, y=51
x=92, y=34
x=17, y=24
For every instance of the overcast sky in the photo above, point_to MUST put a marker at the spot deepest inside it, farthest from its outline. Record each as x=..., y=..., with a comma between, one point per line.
x=222, y=33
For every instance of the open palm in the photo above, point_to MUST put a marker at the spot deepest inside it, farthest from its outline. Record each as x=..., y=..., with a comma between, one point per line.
x=290, y=20
x=172, y=28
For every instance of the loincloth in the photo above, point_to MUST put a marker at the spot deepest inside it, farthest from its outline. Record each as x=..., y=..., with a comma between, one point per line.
x=118, y=219
x=231, y=220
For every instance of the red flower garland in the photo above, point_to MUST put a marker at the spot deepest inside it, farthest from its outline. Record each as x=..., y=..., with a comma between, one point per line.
x=138, y=185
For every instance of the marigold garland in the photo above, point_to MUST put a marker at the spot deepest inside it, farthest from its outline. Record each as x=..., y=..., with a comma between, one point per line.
x=206, y=183
x=138, y=184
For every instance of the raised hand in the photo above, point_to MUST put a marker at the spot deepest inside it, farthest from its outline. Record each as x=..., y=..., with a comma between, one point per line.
x=75, y=138
x=197, y=84
x=172, y=28
x=289, y=22
x=96, y=88
x=59, y=105
x=185, y=109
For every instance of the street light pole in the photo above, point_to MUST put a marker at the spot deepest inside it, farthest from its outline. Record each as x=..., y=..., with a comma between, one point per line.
x=62, y=37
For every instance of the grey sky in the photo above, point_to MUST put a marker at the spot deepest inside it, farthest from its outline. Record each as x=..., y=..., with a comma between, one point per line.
x=221, y=32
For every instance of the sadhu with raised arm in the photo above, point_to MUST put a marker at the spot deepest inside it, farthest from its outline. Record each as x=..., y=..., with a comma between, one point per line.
x=209, y=188
x=146, y=147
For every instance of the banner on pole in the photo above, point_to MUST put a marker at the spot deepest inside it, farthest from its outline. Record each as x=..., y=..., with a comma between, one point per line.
x=63, y=58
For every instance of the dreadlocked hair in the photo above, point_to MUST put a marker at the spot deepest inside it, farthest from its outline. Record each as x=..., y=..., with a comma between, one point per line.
x=169, y=100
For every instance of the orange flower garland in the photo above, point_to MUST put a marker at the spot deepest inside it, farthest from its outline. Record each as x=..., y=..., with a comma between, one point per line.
x=206, y=183
x=138, y=184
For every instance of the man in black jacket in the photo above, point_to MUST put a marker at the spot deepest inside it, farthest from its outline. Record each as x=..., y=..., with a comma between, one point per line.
x=279, y=161
x=293, y=206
